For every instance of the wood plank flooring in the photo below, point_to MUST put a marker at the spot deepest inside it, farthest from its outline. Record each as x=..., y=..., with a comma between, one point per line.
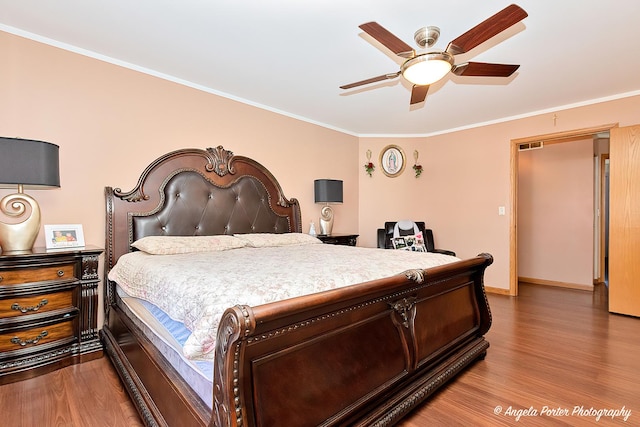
x=85, y=395
x=550, y=347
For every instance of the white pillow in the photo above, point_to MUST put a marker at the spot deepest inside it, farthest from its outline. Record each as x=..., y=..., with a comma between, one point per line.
x=413, y=243
x=169, y=245
x=261, y=240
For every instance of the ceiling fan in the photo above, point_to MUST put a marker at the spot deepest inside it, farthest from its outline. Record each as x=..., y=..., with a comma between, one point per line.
x=427, y=68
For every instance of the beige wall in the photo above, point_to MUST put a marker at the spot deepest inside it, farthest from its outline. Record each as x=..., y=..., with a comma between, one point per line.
x=556, y=213
x=466, y=179
x=110, y=122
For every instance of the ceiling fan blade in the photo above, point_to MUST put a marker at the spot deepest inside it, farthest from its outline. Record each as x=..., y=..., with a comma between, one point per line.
x=384, y=36
x=482, y=32
x=371, y=80
x=484, y=69
x=419, y=93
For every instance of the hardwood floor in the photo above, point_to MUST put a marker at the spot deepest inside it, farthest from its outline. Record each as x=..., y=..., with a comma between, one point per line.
x=85, y=395
x=550, y=347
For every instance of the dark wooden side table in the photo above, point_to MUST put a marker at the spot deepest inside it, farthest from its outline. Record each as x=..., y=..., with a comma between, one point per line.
x=339, y=239
x=48, y=310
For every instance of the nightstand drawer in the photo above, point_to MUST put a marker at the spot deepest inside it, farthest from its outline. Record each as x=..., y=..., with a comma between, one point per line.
x=36, y=336
x=26, y=305
x=41, y=274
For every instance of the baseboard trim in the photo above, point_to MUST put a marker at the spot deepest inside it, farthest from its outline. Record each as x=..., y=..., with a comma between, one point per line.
x=556, y=284
x=499, y=291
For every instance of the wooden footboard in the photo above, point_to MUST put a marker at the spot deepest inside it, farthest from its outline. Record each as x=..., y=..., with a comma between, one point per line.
x=362, y=355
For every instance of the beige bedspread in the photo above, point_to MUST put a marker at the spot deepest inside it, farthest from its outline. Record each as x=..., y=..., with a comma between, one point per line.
x=196, y=288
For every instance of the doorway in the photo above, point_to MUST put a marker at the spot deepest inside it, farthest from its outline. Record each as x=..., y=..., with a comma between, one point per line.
x=513, y=227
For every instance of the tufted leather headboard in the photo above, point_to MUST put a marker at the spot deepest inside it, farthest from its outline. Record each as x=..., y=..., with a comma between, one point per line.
x=195, y=192
x=194, y=206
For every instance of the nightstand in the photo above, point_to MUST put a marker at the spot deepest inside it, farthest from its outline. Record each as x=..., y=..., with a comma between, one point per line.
x=48, y=311
x=339, y=239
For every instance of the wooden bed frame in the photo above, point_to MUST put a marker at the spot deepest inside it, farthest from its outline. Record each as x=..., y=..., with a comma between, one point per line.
x=366, y=354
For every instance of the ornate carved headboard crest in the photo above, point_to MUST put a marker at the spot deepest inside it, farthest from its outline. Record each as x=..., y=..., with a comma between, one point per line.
x=218, y=160
x=221, y=160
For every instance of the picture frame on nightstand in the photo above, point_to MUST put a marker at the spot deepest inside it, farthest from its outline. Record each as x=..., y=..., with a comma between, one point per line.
x=62, y=236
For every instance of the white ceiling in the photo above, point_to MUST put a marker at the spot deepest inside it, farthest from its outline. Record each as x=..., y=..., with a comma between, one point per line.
x=291, y=56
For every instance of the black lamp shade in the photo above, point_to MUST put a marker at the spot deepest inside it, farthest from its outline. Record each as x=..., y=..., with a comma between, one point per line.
x=34, y=164
x=327, y=190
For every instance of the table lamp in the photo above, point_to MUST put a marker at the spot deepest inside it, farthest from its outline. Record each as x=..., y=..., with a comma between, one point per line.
x=27, y=164
x=327, y=191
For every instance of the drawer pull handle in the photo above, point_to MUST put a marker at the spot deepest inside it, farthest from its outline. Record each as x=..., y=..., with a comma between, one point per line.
x=16, y=306
x=1, y=278
x=16, y=340
x=60, y=273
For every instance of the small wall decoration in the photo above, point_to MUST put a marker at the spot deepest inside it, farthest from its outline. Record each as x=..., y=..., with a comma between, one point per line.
x=417, y=167
x=392, y=160
x=369, y=166
x=63, y=236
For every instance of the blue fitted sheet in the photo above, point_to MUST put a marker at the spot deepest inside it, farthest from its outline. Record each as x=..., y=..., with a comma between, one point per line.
x=168, y=336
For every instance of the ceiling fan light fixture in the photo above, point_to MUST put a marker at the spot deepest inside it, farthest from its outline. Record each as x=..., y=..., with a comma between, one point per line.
x=427, y=68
